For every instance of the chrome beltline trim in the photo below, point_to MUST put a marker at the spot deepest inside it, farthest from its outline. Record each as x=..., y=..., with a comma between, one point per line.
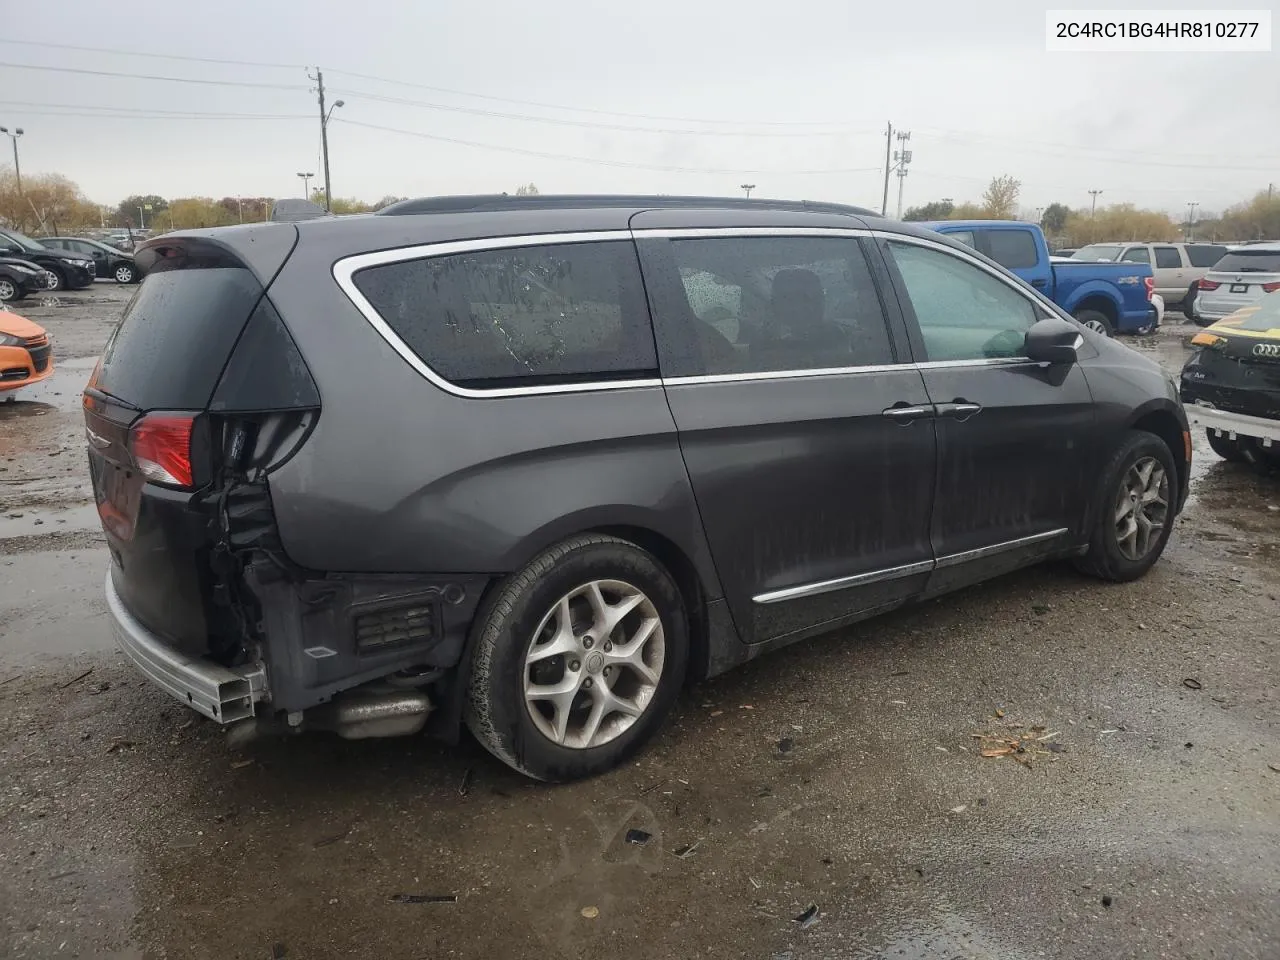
x=685, y=233
x=907, y=570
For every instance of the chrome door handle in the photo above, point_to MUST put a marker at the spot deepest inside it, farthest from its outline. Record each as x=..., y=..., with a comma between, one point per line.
x=906, y=415
x=960, y=410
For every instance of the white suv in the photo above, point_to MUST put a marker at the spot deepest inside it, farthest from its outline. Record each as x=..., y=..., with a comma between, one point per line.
x=1244, y=276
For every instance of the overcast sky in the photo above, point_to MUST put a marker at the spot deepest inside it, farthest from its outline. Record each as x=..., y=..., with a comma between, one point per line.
x=797, y=93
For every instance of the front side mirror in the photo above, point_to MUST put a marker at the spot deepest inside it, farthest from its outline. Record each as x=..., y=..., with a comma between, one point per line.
x=1053, y=340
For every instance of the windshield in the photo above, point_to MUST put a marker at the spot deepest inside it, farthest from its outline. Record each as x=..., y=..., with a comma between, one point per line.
x=26, y=243
x=1098, y=253
x=1249, y=261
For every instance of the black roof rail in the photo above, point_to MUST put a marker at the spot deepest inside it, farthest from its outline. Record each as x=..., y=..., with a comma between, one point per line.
x=501, y=201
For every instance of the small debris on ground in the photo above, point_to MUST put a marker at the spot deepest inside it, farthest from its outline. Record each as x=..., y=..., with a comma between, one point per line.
x=465, y=786
x=786, y=745
x=1040, y=609
x=687, y=851
x=423, y=898
x=808, y=917
x=1023, y=747
x=119, y=743
x=102, y=686
x=591, y=912
x=1191, y=683
x=1106, y=901
x=240, y=764
x=76, y=679
x=1274, y=767
x=638, y=837
x=332, y=838
x=960, y=809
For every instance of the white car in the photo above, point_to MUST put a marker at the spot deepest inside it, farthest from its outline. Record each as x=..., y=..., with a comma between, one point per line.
x=1242, y=277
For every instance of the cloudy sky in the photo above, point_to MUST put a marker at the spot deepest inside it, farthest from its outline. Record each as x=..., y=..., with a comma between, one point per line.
x=659, y=96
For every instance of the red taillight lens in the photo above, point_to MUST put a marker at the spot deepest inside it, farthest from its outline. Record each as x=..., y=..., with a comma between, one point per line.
x=161, y=447
x=1270, y=287
x=1204, y=283
x=1150, y=284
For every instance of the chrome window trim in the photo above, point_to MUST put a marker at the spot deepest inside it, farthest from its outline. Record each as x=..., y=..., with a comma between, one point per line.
x=783, y=374
x=686, y=233
x=906, y=570
x=345, y=269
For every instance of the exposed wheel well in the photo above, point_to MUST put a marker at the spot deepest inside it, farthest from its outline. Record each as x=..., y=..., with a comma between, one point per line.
x=1165, y=426
x=1101, y=304
x=685, y=574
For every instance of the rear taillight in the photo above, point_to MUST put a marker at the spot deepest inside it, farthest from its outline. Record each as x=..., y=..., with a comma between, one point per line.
x=1150, y=284
x=1204, y=283
x=1271, y=287
x=161, y=447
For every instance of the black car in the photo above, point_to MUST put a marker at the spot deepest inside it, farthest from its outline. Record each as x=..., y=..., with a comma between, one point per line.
x=66, y=271
x=532, y=463
x=20, y=278
x=108, y=261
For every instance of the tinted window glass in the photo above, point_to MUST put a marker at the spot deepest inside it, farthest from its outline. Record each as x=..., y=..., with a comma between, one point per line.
x=1136, y=255
x=176, y=335
x=1205, y=255
x=964, y=313
x=1012, y=248
x=763, y=304
x=964, y=236
x=1167, y=258
x=557, y=313
x=1249, y=261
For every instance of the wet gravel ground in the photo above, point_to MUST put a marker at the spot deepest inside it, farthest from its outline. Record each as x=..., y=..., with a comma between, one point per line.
x=843, y=774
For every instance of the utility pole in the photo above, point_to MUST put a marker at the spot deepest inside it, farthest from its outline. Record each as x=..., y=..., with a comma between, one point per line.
x=888, y=146
x=748, y=187
x=324, y=136
x=17, y=169
x=1270, y=187
x=903, y=156
x=306, y=179
x=240, y=209
x=1093, y=206
x=1191, y=218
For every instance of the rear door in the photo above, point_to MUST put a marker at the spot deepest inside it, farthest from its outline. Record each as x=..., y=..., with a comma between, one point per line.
x=1170, y=272
x=1015, y=454
x=805, y=429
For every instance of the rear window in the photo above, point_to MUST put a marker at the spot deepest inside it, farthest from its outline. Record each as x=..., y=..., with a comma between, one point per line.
x=560, y=313
x=1098, y=253
x=1012, y=248
x=176, y=335
x=1205, y=255
x=1249, y=261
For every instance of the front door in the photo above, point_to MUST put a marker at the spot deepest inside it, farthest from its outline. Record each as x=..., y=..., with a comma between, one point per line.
x=806, y=431
x=1015, y=458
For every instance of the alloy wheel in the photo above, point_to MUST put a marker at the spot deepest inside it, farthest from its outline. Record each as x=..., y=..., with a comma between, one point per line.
x=1097, y=326
x=52, y=281
x=7, y=291
x=124, y=274
x=594, y=664
x=1141, y=508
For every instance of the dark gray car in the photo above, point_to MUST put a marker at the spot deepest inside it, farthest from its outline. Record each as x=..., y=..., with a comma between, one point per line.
x=533, y=463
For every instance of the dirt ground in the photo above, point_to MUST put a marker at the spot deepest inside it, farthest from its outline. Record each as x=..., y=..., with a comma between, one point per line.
x=840, y=781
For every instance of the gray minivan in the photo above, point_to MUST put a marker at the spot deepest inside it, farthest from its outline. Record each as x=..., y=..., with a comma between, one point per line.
x=532, y=463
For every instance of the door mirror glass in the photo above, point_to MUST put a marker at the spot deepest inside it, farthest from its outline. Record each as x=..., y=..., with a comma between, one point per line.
x=1053, y=340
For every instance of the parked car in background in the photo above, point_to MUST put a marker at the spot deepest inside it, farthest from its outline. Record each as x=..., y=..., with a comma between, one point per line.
x=1064, y=252
x=1108, y=298
x=1175, y=266
x=1242, y=277
x=20, y=278
x=25, y=354
x=563, y=482
x=69, y=271
x=108, y=261
x=1231, y=384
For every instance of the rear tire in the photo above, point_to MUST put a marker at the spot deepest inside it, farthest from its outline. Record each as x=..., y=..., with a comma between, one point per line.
x=1142, y=479
x=551, y=603
x=1225, y=447
x=1189, y=303
x=1096, y=321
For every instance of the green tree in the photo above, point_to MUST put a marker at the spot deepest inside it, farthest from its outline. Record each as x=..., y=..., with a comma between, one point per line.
x=127, y=211
x=1054, y=218
x=387, y=201
x=1000, y=199
x=934, y=210
x=186, y=213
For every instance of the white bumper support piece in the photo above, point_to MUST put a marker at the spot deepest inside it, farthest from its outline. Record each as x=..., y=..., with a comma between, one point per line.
x=1233, y=424
x=222, y=694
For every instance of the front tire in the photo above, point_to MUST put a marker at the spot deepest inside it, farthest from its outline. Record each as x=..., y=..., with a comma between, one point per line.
x=1134, y=510
x=55, y=281
x=125, y=273
x=578, y=658
x=1225, y=447
x=1096, y=321
x=10, y=291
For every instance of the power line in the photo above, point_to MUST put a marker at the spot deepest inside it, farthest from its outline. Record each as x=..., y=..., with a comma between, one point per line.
x=590, y=124
x=596, y=160
x=144, y=76
x=157, y=56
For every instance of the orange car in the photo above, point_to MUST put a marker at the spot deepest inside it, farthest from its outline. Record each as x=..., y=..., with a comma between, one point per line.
x=25, y=355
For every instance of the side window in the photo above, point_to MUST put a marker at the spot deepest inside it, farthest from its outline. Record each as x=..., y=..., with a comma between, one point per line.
x=964, y=236
x=1136, y=255
x=55, y=244
x=79, y=246
x=1013, y=249
x=964, y=312
x=1205, y=254
x=1168, y=258
x=560, y=313
x=772, y=304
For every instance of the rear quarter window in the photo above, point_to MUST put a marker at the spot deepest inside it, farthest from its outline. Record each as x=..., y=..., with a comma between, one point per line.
x=1013, y=249
x=1205, y=256
x=559, y=313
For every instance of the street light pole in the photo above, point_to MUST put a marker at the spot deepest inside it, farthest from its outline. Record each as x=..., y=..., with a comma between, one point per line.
x=1191, y=218
x=17, y=168
x=748, y=187
x=306, y=178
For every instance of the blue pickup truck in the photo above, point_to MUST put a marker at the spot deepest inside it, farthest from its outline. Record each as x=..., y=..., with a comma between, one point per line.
x=1107, y=297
